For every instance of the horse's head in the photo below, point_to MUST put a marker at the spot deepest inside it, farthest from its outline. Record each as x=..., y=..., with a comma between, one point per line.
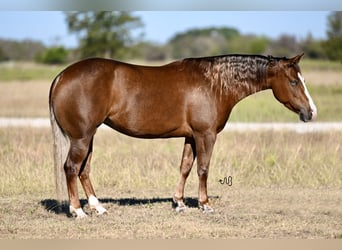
x=289, y=87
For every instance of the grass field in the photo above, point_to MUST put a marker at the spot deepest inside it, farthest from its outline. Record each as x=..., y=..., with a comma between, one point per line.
x=284, y=185
x=27, y=71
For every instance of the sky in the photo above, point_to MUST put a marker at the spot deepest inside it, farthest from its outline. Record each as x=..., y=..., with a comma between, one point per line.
x=159, y=26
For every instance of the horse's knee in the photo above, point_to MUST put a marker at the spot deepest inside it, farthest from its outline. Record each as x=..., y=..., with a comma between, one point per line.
x=70, y=169
x=202, y=171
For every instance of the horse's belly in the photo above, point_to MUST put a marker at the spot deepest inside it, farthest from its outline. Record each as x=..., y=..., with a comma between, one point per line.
x=149, y=124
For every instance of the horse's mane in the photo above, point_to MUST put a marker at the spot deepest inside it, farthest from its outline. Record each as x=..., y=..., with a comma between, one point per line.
x=226, y=71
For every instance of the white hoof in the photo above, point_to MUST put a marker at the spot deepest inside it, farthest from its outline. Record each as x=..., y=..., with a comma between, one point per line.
x=180, y=206
x=80, y=214
x=100, y=210
x=180, y=209
x=207, y=209
x=95, y=204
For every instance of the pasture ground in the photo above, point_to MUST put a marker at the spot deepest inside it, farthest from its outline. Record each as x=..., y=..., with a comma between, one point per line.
x=265, y=213
x=284, y=185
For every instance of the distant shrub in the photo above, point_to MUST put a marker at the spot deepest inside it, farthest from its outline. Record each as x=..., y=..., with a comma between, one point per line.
x=53, y=55
x=3, y=56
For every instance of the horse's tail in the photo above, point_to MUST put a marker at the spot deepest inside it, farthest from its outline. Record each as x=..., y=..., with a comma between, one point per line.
x=60, y=151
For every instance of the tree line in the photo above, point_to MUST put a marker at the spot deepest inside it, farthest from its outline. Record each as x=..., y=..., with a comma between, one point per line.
x=110, y=34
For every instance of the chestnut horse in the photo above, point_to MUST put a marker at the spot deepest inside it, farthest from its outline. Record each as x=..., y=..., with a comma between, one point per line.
x=190, y=98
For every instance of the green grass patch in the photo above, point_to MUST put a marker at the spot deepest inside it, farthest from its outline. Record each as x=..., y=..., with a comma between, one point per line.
x=263, y=107
x=322, y=65
x=19, y=71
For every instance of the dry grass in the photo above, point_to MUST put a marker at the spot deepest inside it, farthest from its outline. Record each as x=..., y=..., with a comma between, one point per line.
x=240, y=213
x=25, y=98
x=253, y=159
x=285, y=185
x=323, y=78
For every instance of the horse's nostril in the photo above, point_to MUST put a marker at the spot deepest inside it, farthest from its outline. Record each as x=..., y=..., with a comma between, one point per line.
x=303, y=116
x=313, y=115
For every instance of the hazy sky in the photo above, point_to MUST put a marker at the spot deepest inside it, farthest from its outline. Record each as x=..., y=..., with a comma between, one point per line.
x=159, y=26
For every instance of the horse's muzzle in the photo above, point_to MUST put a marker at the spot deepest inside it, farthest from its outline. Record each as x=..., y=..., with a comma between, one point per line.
x=307, y=116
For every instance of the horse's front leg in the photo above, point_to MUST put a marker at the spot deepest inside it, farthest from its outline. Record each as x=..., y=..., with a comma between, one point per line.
x=204, y=146
x=188, y=157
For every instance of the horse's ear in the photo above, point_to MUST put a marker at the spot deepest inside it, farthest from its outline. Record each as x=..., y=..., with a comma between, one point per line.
x=296, y=59
x=271, y=61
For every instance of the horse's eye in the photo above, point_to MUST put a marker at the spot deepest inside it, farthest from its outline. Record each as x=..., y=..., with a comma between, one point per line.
x=294, y=82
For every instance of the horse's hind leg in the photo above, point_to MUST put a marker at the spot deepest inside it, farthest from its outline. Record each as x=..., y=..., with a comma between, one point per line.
x=77, y=156
x=86, y=183
x=188, y=157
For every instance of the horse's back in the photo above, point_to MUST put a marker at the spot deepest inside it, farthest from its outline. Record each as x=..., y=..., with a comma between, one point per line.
x=140, y=101
x=150, y=102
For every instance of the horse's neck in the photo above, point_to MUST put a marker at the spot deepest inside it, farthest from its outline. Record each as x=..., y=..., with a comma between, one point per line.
x=236, y=77
x=239, y=90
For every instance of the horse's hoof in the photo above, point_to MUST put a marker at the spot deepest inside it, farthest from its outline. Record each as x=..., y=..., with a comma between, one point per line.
x=179, y=205
x=81, y=217
x=96, y=205
x=100, y=210
x=80, y=214
x=206, y=209
x=180, y=209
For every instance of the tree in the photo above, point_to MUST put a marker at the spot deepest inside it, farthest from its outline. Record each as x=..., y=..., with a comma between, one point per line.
x=105, y=34
x=151, y=52
x=335, y=24
x=248, y=44
x=285, y=45
x=312, y=48
x=25, y=50
x=3, y=55
x=202, y=42
x=216, y=41
x=54, y=55
x=333, y=45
